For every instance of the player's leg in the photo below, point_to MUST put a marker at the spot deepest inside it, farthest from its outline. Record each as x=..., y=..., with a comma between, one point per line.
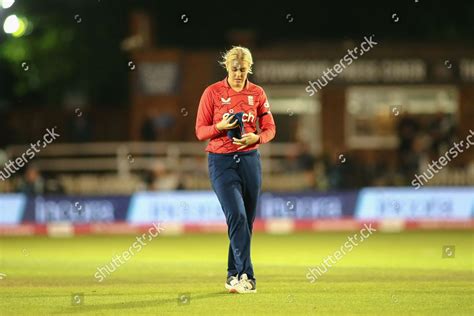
x=213, y=174
x=231, y=269
x=250, y=171
x=227, y=185
x=252, y=177
x=229, y=194
x=232, y=273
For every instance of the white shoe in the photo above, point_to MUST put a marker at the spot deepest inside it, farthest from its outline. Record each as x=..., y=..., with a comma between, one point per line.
x=245, y=285
x=231, y=282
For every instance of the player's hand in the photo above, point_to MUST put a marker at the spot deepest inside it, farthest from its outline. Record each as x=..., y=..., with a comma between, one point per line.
x=246, y=140
x=226, y=124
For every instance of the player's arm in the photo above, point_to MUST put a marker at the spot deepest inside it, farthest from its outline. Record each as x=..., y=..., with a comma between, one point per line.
x=265, y=120
x=205, y=128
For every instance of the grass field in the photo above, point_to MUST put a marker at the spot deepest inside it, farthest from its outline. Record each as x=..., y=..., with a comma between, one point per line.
x=389, y=273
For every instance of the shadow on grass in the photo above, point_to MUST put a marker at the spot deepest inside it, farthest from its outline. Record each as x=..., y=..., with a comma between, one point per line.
x=137, y=304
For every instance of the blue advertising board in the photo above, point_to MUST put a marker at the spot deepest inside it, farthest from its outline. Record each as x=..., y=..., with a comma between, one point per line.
x=307, y=205
x=455, y=203
x=76, y=209
x=178, y=206
x=451, y=203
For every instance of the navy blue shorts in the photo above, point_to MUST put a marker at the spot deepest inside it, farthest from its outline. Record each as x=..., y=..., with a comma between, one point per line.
x=236, y=178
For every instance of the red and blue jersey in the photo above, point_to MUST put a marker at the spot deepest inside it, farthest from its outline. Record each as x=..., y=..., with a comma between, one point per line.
x=218, y=100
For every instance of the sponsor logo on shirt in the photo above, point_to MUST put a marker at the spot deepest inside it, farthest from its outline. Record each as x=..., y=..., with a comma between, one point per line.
x=225, y=101
x=246, y=117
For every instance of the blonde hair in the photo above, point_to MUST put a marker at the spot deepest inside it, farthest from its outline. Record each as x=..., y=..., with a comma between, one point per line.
x=237, y=52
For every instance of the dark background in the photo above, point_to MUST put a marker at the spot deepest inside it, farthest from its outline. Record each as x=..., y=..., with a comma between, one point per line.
x=65, y=55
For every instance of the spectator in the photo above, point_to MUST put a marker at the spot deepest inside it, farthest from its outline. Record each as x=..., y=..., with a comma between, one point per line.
x=300, y=159
x=148, y=131
x=165, y=124
x=80, y=129
x=407, y=129
x=442, y=130
x=340, y=170
x=305, y=159
x=32, y=182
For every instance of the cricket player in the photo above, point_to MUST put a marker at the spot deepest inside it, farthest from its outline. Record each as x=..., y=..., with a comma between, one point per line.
x=227, y=116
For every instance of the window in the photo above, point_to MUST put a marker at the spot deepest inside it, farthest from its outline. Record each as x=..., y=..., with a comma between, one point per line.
x=296, y=114
x=372, y=113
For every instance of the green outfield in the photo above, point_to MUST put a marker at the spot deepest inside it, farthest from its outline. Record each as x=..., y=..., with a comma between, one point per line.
x=389, y=273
